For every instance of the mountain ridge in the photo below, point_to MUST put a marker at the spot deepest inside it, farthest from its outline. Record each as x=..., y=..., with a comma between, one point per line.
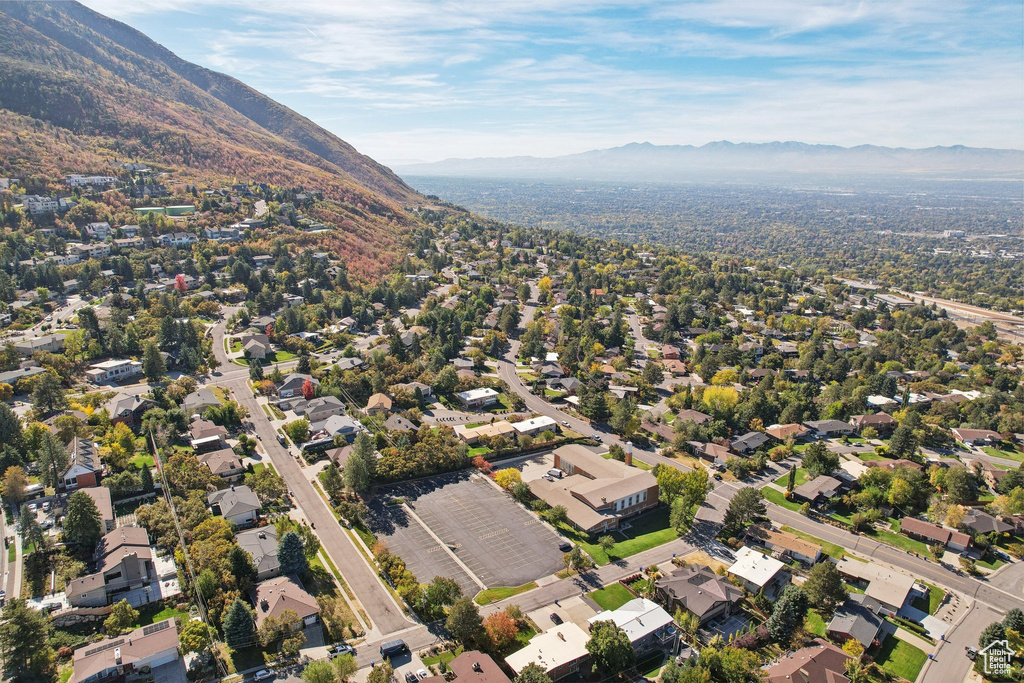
x=647, y=161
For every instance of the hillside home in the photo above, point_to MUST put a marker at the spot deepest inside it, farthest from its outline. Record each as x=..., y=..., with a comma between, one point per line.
x=147, y=647
x=84, y=468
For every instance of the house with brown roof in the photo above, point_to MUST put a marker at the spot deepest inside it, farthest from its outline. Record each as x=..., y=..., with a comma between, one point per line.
x=378, y=404
x=669, y=352
x=274, y=596
x=695, y=415
x=793, y=431
x=820, y=490
x=659, y=429
x=933, y=533
x=976, y=437
x=597, y=493
x=696, y=589
x=883, y=423
x=101, y=496
x=224, y=463
x=820, y=662
x=783, y=544
x=149, y=646
x=711, y=452
x=471, y=666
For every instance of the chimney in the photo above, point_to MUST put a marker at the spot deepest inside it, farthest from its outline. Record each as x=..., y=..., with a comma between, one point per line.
x=629, y=453
x=117, y=656
x=264, y=605
x=477, y=667
x=561, y=636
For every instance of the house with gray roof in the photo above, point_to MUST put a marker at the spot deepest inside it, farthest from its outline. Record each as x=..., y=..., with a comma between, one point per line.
x=749, y=442
x=261, y=544
x=199, y=400
x=856, y=619
x=696, y=589
x=237, y=504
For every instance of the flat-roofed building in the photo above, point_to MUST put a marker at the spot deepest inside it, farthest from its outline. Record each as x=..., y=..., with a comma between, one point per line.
x=560, y=651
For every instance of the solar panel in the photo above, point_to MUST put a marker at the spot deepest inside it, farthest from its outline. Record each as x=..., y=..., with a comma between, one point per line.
x=155, y=628
x=102, y=648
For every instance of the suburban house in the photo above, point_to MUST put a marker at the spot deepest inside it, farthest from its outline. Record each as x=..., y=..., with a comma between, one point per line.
x=84, y=468
x=378, y=404
x=856, y=619
x=696, y=589
x=710, y=451
x=535, y=425
x=784, y=545
x=662, y=430
x=319, y=409
x=236, y=504
x=597, y=493
x=203, y=429
x=149, y=646
x=647, y=625
x=124, y=561
x=933, y=533
x=292, y=383
x=127, y=409
x=472, y=435
x=261, y=544
x=274, y=596
x=199, y=400
x=255, y=345
x=819, y=491
x=826, y=428
x=980, y=522
x=113, y=370
x=883, y=423
x=670, y=352
x=477, y=398
x=559, y=651
x=411, y=387
x=888, y=586
x=471, y=666
x=224, y=463
x=749, y=442
x=759, y=572
x=337, y=425
x=397, y=423
x=976, y=437
x=695, y=415
x=784, y=432
x=101, y=496
x=820, y=662
x=48, y=342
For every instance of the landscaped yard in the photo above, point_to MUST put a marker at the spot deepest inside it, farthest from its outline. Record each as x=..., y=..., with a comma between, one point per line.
x=900, y=658
x=154, y=612
x=932, y=602
x=490, y=595
x=446, y=657
x=801, y=477
x=646, y=531
x=831, y=549
x=898, y=539
x=142, y=460
x=1006, y=454
x=814, y=623
x=612, y=597
x=477, y=450
x=777, y=497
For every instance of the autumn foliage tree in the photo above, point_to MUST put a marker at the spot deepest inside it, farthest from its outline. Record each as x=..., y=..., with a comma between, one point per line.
x=308, y=390
x=501, y=631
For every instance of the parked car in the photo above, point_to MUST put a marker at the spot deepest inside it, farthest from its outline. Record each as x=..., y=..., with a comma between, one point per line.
x=422, y=673
x=47, y=506
x=410, y=677
x=565, y=546
x=565, y=423
x=555, y=618
x=47, y=524
x=264, y=675
x=595, y=437
x=341, y=649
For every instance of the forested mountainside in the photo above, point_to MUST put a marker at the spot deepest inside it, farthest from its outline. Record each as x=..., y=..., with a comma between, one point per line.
x=79, y=91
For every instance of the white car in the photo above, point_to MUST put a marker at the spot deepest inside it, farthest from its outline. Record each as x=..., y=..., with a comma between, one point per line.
x=422, y=673
x=264, y=675
x=565, y=423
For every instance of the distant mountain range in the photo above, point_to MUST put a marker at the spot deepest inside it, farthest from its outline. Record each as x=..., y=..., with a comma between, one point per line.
x=718, y=160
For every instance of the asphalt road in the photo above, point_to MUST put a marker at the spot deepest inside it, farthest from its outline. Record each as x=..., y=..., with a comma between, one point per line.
x=982, y=591
x=950, y=664
x=385, y=614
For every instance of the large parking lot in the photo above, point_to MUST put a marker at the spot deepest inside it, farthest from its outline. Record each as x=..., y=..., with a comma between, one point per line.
x=495, y=539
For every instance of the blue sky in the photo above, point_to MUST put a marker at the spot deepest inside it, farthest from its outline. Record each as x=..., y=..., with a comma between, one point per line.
x=422, y=81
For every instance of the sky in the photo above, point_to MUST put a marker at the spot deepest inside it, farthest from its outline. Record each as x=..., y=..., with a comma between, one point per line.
x=407, y=81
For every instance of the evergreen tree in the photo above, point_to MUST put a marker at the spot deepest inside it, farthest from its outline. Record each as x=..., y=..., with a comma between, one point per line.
x=291, y=554
x=745, y=507
x=24, y=638
x=242, y=568
x=361, y=467
x=82, y=522
x=787, y=614
x=146, y=477
x=239, y=628
x=153, y=365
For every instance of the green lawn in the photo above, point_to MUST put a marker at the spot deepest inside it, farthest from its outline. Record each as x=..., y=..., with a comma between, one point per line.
x=142, y=460
x=777, y=497
x=612, y=596
x=446, y=657
x=932, y=602
x=900, y=658
x=12, y=553
x=814, y=623
x=646, y=531
x=1014, y=455
x=831, y=549
x=801, y=477
x=152, y=613
x=899, y=540
x=477, y=450
x=490, y=595
x=867, y=457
